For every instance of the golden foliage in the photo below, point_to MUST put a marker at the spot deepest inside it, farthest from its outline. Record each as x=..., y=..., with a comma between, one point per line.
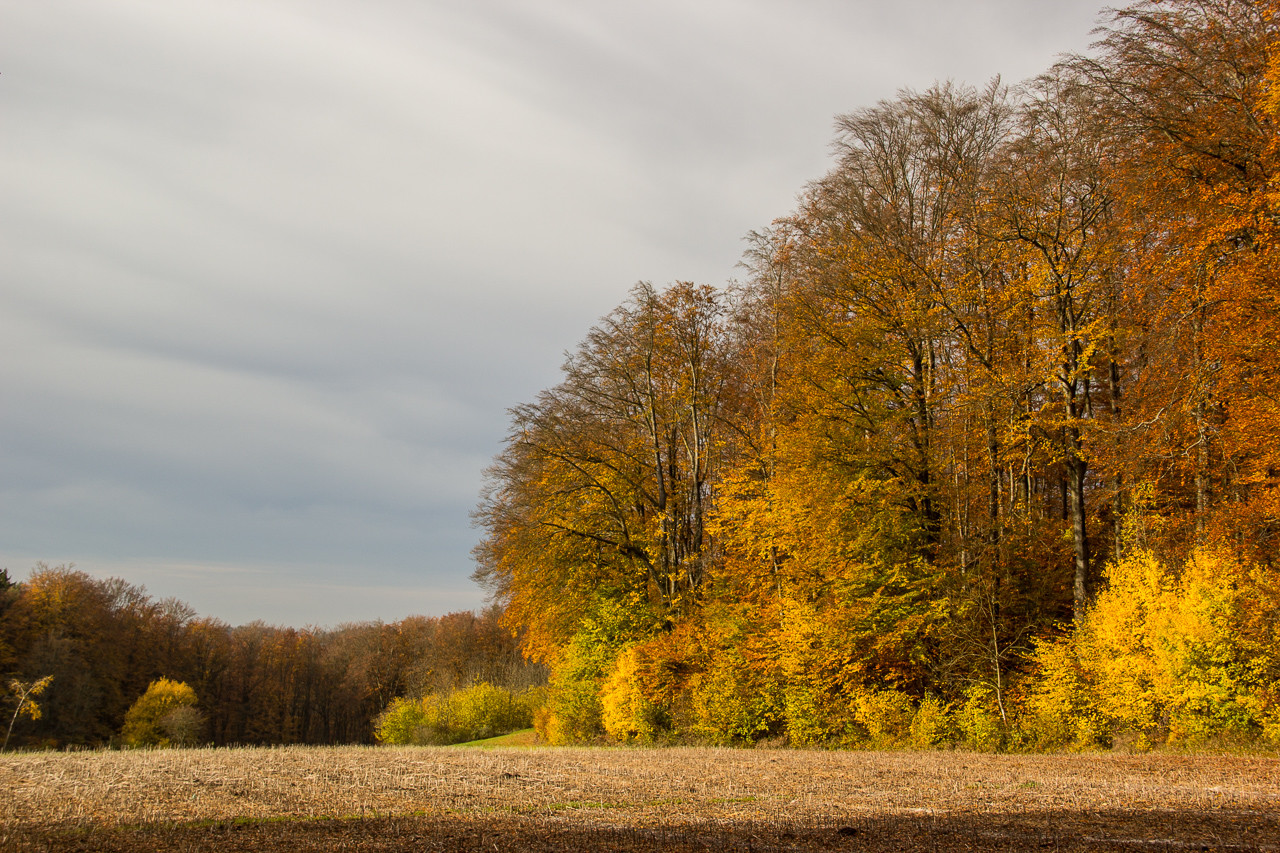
x=1164, y=656
x=1010, y=364
x=163, y=716
x=469, y=713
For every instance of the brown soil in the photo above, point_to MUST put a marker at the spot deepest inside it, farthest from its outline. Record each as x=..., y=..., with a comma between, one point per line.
x=427, y=799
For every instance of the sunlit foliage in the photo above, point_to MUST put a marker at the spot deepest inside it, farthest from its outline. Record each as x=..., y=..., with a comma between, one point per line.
x=470, y=713
x=166, y=715
x=982, y=451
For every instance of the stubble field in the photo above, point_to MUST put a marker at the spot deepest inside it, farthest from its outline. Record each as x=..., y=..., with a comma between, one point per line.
x=429, y=799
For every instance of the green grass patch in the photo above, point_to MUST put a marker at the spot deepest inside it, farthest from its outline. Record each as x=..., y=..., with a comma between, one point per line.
x=523, y=739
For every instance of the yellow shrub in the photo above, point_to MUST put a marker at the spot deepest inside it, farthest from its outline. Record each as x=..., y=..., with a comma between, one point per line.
x=1182, y=658
x=931, y=725
x=822, y=673
x=471, y=713
x=1117, y=647
x=886, y=716
x=573, y=710
x=979, y=720
x=1205, y=670
x=1059, y=711
x=625, y=712
x=735, y=701
x=404, y=721
x=165, y=715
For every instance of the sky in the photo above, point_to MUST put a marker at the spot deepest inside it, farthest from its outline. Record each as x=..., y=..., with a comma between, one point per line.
x=272, y=272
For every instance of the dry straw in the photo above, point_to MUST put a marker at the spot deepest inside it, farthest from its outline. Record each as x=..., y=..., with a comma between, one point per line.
x=628, y=799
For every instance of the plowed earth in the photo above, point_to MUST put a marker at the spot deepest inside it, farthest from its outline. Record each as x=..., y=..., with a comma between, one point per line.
x=438, y=799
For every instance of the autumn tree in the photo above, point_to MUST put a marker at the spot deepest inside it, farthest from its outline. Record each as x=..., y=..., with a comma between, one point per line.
x=24, y=696
x=1183, y=87
x=1055, y=203
x=165, y=715
x=603, y=489
x=907, y=302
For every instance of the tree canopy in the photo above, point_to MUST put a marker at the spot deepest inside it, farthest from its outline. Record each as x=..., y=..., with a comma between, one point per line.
x=1017, y=341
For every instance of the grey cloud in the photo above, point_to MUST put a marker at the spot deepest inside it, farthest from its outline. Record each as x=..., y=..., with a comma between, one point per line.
x=273, y=271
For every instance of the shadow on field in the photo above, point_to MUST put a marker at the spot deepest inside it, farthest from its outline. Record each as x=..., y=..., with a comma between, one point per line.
x=1068, y=831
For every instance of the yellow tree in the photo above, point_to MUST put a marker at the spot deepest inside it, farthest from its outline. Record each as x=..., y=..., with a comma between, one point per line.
x=24, y=699
x=165, y=715
x=843, y=527
x=1055, y=205
x=604, y=486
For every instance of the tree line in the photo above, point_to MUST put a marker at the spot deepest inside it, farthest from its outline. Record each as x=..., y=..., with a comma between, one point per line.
x=102, y=642
x=1016, y=350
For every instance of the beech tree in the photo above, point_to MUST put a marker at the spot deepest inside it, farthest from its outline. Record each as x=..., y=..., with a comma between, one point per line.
x=1055, y=202
x=1010, y=340
x=603, y=489
x=1183, y=87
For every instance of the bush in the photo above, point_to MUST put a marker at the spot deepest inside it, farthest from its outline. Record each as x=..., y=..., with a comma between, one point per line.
x=735, y=701
x=1184, y=658
x=1058, y=711
x=886, y=716
x=472, y=713
x=405, y=721
x=978, y=720
x=166, y=715
x=573, y=712
x=821, y=672
x=932, y=724
x=625, y=711
x=182, y=726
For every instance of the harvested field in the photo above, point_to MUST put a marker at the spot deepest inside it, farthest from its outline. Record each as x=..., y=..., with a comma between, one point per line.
x=380, y=799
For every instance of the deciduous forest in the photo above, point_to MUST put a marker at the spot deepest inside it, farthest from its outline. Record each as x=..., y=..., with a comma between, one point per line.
x=104, y=641
x=984, y=447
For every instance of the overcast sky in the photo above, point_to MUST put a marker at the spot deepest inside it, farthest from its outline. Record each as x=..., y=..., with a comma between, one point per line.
x=272, y=271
